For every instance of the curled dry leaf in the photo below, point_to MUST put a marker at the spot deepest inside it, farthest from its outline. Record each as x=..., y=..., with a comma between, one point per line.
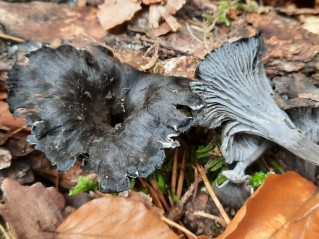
x=285, y=206
x=113, y=13
x=115, y=217
x=31, y=211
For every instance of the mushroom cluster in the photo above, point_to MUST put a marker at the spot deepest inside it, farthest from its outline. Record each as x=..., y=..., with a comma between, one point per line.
x=237, y=94
x=84, y=105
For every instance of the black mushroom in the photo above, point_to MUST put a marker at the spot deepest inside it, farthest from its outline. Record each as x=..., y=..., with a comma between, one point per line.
x=237, y=94
x=84, y=105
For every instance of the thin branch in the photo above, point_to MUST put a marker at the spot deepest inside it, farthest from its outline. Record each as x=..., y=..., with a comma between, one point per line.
x=210, y=216
x=11, y=38
x=179, y=227
x=174, y=173
x=160, y=194
x=181, y=177
x=212, y=194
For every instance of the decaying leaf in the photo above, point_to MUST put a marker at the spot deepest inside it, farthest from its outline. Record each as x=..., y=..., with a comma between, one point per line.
x=285, y=206
x=31, y=211
x=113, y=119
x=48, y=22
x=115, y=217
x=112, y=13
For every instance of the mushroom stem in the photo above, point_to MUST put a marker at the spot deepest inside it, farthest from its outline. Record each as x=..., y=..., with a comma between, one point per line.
x=299, y=145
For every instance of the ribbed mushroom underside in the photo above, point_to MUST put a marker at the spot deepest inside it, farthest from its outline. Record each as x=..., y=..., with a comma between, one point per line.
x=236, y=93
x=84, y=105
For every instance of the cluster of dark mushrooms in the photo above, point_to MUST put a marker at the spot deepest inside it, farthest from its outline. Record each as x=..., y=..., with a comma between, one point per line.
x=84, y=105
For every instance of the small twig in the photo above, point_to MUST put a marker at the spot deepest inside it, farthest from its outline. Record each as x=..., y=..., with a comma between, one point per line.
x=212, y=194
x=11, y=38
x=153, y=60
x=153, y=194
x=166, y=46
x=186, y=196
x=160, y=194
x=181, y=177
x=174, y=173
x=192, y=34
x=98, y=43
x=196, y=181
x=213, y=217
x=179, y=227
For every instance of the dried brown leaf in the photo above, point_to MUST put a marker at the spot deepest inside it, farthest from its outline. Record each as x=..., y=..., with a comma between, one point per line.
x=112, y=13
x=285, y=206
x=31, y=211
x=48, y=22
x=115, y=217
x=158, y=11
x=311, y=24
x=7, y=119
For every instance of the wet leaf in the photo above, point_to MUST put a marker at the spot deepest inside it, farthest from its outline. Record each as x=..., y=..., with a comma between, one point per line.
x=31, y=211
x=115, y=217
x=285, y=206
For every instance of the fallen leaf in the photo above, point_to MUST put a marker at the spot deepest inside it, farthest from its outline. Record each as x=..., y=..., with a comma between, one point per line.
x=6, y=118
x=19, y=171
x=31, y=211
x=115, y=217
x=311, y=24
x=285, y=206
x=114, y=12
x=161, y=30
x=158, y=11
x=47, y=22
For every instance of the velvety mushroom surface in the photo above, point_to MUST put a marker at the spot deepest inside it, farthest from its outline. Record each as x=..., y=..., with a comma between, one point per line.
x=238, y=95
x=84, y=105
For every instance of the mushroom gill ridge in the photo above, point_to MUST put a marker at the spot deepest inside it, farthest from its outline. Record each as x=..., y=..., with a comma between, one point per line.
x=237, y=93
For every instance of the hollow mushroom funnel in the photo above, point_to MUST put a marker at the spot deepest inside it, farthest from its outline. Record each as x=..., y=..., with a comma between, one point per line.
x=85, y=106
x=236, y=93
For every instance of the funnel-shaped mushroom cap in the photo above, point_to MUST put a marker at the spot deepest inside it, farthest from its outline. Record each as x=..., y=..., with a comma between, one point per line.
x=84, y=105
x=235, y=90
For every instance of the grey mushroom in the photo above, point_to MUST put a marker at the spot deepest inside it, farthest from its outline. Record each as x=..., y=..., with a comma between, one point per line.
x=237, y=94
x=84, y=105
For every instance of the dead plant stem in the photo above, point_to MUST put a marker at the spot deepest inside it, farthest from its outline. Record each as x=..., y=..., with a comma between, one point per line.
x=179, y=227
x=212, y=194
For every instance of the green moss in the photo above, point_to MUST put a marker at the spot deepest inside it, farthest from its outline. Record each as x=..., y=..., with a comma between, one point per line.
x=84, y=184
